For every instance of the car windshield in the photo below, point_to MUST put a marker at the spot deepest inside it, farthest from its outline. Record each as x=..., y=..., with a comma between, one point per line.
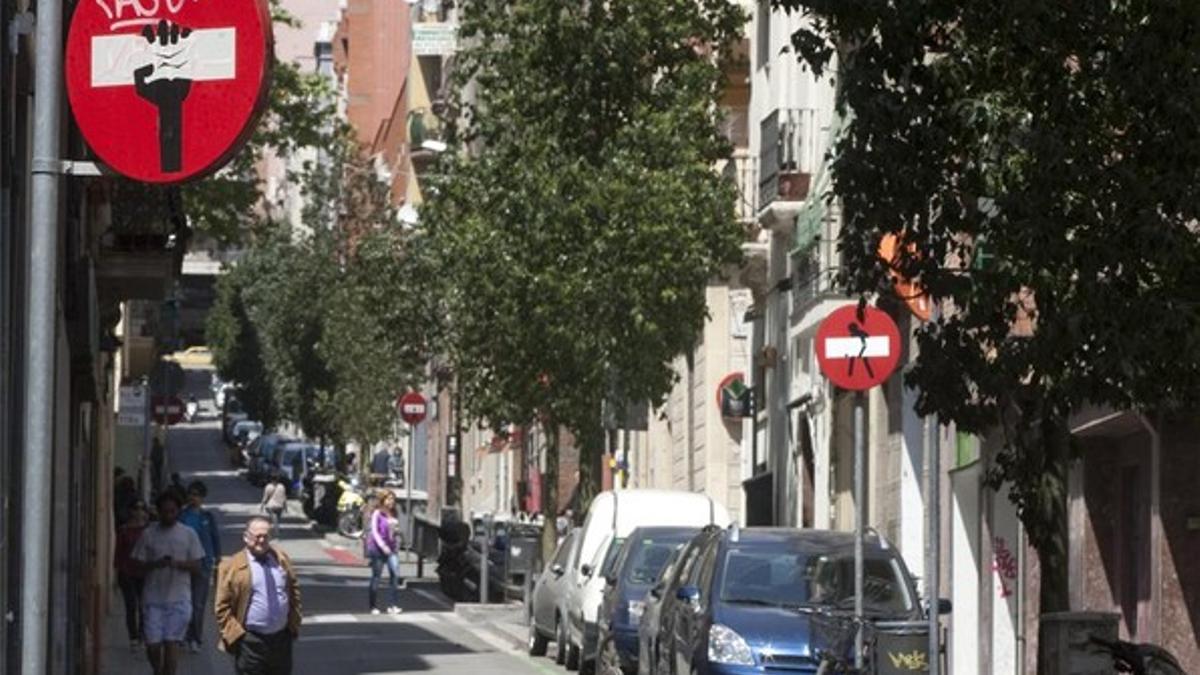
x=800, y=579
x=647, y=560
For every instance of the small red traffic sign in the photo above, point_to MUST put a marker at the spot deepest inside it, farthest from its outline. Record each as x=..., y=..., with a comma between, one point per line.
x=168, y=410
x=412, y=407
x=858, y=351
x=165, y=91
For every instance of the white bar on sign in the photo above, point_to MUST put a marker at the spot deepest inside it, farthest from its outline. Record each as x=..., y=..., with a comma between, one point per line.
x=850, y=347
x=207, y=54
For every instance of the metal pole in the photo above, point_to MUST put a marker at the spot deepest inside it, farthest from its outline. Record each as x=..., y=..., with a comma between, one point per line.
x=41, y=341
x=859, y=523
x=483, y=560
x=408, y=481
x=934, y=559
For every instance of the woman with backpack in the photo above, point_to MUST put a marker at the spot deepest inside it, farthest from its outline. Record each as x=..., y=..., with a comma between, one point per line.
x=382, y=546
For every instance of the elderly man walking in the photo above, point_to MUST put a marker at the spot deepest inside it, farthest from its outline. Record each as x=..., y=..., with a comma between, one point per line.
x=258, y=604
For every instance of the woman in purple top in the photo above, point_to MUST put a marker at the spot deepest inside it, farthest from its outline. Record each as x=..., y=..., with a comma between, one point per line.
x=382, y=550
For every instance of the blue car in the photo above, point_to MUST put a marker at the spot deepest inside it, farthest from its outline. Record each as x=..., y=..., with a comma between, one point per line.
x=744, y=601
x=629, y=575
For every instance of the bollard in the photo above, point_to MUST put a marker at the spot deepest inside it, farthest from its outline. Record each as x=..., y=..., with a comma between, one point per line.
x=420, y=566
x=483, y=573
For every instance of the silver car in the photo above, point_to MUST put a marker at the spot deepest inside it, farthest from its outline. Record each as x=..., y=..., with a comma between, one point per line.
x=547, y=603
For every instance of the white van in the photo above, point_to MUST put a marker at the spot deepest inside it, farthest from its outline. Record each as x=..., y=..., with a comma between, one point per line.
x=611, y=517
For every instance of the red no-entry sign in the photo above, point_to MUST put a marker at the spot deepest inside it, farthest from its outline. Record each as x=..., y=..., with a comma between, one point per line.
x=168, y=410
x=858, y=351
x=167, y=90
x=412, y=407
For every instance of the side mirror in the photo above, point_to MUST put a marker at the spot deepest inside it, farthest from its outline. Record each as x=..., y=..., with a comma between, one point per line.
x=557, y=570
x=944, y=606
x=688, y=594
x=656, y=591
x=610, y=580
x=586, y=570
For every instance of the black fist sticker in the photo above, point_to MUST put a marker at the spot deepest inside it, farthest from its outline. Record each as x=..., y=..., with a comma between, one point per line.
x=164, y=83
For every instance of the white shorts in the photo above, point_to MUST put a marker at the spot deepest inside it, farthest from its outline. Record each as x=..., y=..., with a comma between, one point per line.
x=166, y=621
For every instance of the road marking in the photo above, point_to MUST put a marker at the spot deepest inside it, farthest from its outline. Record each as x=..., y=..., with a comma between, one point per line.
x=331, y=618
x=344, y=557
x=849, y=347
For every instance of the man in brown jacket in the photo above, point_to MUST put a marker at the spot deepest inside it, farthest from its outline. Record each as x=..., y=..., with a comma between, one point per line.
x=258, y=604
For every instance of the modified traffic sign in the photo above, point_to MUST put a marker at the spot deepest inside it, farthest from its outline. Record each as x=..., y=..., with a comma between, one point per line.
x=412, y=407
x=166, y=91
x=857, y=349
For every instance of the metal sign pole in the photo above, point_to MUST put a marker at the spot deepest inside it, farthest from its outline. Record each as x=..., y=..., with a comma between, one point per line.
x=859, y=521
x=408, y=481
x=933, y=563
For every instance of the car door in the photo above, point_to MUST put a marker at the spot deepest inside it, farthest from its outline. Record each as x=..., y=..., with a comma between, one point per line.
x=546, y=595
x=663, y=647
x=692, y=617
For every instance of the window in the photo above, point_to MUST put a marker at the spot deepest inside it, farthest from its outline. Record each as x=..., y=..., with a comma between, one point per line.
x=647, y=560
x=784, y=578
x=611, y=556
x=564, y=549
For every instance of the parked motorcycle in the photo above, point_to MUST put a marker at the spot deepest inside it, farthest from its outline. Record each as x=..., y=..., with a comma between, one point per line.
x=350, y=509
x=1139, y=659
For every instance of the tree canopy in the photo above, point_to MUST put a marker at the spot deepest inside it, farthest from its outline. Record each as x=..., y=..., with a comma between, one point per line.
x=575, y=232
x=1041, y=160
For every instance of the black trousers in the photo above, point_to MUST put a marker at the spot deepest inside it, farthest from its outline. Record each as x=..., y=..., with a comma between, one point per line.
x=131, y=593
x=259, y=654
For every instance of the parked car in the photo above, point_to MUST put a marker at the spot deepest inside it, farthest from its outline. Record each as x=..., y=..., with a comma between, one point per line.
x=629, y=575
x=260, y=457
x=744, y=600
x=612, y=516
x=547, y=603
x=648, y=647
x=197, y=356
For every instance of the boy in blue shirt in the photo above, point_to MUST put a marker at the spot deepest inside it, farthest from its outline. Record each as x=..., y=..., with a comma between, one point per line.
x=204, y=523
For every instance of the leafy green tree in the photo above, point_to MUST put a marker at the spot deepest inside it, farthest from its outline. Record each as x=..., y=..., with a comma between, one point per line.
x=574, y=242
x=1042, y=161
x=237, y=349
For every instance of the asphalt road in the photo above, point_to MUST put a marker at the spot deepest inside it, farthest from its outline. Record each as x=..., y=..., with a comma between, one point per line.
x=339, y=635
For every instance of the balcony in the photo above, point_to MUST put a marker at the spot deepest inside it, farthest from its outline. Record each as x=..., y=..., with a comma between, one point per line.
x=426, y=137
x=141, y=251
x=789, y=158
x=740, y=170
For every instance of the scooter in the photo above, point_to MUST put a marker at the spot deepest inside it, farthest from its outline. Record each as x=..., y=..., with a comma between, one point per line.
x=350, y=507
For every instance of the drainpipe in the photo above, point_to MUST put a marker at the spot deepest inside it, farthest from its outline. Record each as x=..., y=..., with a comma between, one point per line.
x=1156, y=529
x=41, y=342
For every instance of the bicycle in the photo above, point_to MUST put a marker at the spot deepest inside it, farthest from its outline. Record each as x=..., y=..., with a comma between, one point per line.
x=836, y=633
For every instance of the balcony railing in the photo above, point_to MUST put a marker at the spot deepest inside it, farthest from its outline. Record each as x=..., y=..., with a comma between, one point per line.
x=789, y=155
x=815, y=264
x=740, y=170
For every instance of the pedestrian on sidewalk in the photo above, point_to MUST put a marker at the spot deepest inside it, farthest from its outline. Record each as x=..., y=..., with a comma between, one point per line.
x=258, y=604
x=274, y=499
x=129, y=571
x=382, y=550
x=204, y=522
x=169, y=553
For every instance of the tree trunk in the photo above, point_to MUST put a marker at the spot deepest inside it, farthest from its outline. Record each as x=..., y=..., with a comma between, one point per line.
x=1045, y=516
x=591, y=463
x=550, y=492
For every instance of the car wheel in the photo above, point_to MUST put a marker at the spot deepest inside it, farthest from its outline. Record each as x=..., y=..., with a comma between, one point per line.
x=537, y=643
x=572, y=656
x=560, y=643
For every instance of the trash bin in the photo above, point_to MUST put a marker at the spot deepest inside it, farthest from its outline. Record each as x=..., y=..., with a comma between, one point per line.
x=901, y=647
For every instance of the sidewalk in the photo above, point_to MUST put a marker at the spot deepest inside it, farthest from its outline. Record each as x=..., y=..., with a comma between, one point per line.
x=118, y=658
